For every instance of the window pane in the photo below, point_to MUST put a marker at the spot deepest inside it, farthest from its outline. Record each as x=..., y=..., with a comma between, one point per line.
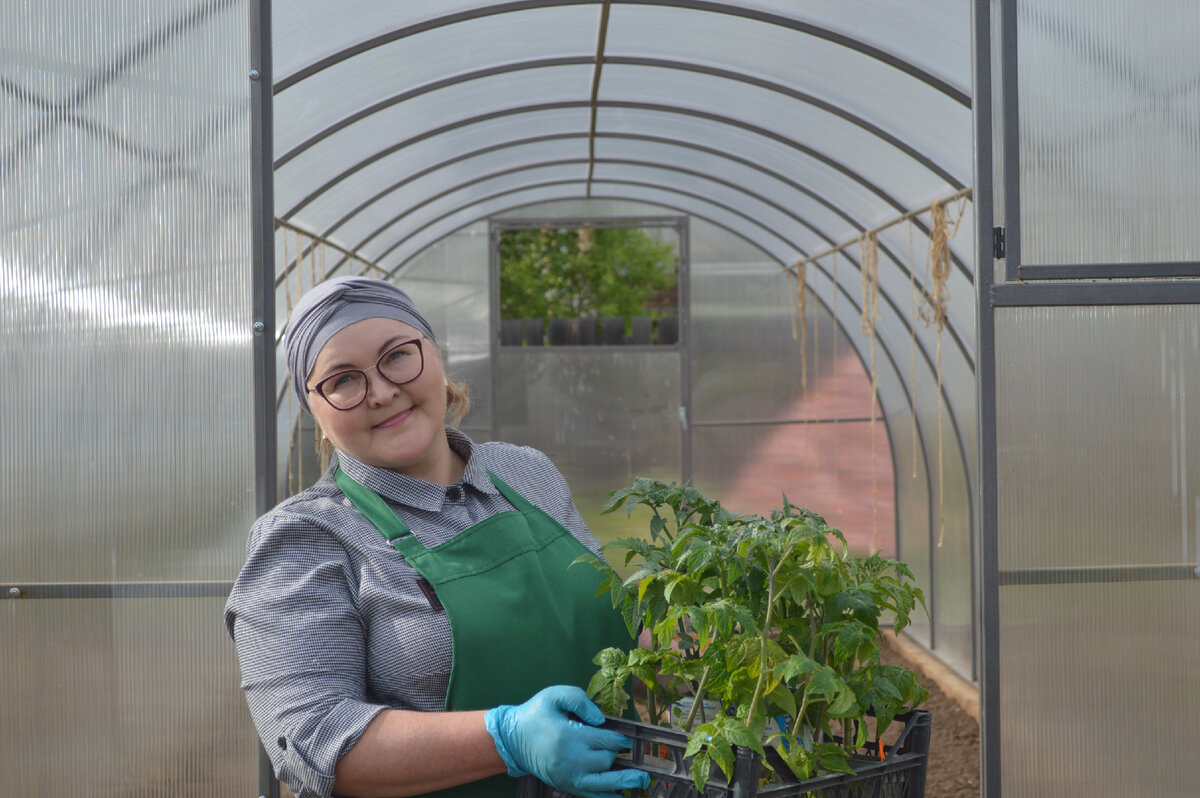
x=1109, y=131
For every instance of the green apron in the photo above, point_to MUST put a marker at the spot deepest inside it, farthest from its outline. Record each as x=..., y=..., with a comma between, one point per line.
x=519, y=619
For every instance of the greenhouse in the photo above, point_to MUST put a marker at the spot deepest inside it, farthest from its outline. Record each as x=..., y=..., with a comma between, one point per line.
x=931, y=269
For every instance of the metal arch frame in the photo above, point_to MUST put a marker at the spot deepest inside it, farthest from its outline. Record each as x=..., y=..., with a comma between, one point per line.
x=657, y=139
x=581, y=161
x=654, y=63
x=889, y=301
x=827, y=160
x=781, y=178
x=849, y=42
x=919, y=441
x=637, y=137
x=580, y=104
x=682, y=170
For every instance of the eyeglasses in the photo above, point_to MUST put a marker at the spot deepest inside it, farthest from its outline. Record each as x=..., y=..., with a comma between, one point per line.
x=347, y=389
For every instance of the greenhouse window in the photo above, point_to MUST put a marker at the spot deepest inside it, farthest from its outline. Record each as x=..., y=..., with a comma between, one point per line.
x=588, y=283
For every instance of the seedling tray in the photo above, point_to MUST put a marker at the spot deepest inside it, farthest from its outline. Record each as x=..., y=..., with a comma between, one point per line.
x=896, y=770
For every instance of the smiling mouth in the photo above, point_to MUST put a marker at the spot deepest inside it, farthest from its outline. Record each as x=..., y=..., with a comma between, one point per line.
x=397, y=419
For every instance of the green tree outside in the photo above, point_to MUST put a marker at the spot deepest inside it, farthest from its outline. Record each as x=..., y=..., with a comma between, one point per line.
x=568, y=273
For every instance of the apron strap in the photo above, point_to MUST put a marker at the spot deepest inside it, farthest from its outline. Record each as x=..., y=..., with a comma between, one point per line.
x=514, y=498
x=376, y=510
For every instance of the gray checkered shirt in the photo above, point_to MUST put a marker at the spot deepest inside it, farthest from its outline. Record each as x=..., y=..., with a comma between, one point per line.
x=329, y=623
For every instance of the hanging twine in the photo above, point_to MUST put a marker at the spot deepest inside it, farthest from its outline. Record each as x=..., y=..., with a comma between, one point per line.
x=869, y=267
x=316, y=259
x=350, y=257
x=941, y=232
x=801, y=333
x=912, y=343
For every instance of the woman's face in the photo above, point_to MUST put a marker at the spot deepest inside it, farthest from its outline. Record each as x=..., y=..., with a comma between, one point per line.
x=400, y=427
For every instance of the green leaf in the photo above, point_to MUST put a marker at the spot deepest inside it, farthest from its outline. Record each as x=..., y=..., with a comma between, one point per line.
x=701, y=764
x=796, y=666
x=830, y=756
x=844, y=704
x=735, y=732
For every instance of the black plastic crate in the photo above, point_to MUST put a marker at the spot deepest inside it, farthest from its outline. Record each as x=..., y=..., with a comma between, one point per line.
x=659, y=751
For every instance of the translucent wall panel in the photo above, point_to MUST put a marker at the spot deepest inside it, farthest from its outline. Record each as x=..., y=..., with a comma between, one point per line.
x=416, y=61
x=127, y=298
x=824, y=132
x=127, y=434
x=312, y=29
x=938, y=39
x=749, y=374
x=323, y=207
x=603, y=417
x=419, y=116
x=449, y=281
x=1098, y=470
x=1100, y=689
x=129, y=697
x=866, y=89
x=1109, y=131
x=1098, y=455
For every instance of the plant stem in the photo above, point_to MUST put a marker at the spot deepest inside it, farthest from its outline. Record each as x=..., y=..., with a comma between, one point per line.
x=651, y=703
x=800, y=714
x=697, y=700
x=762, y=654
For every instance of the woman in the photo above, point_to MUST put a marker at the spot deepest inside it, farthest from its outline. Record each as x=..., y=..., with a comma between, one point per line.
x=410, y=624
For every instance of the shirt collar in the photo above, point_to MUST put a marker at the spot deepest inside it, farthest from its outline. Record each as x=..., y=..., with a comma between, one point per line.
x=418, y=493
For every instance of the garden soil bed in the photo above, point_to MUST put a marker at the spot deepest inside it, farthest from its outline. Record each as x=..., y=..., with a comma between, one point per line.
x=953, y=768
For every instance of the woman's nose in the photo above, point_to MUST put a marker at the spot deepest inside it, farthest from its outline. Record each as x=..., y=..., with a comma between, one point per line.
x=379, y=390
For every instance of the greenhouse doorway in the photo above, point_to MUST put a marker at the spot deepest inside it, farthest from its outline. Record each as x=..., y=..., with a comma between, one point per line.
x=590, y=347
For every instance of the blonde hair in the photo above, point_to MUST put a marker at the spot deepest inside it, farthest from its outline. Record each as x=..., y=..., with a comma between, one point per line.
x=458, y=402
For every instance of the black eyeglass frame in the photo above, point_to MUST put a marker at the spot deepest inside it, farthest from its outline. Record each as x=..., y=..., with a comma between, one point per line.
x=320, y=391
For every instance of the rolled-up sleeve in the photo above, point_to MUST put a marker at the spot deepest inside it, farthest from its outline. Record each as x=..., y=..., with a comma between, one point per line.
x=301, y=648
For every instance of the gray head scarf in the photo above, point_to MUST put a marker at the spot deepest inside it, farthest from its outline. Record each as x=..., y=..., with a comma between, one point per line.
x=330, y=307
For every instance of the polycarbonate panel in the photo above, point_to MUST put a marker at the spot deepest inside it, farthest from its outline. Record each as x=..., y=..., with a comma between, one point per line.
x=425, y=58
x=382, y=247
x=863, y=192
x=122, y=697
x=938, y=39
x=580, y=207
x=1100, y=687
x=312, y=30
x=421, y=116
x=134, y=279
x=1098, y=455
x=746, y=365
x=449, y=282
x=501, y=203
x=722, y=193
x=603, y=417
x=913, y=508
x=360, y=210
x=761, y=178
x=948, y=145
x=127, y=431
x=866, y=87
x=1109, y=131
x=360, y=185
x=1098, y=470
x=458, y=181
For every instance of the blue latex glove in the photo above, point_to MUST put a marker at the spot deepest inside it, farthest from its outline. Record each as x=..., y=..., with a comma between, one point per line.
x=538, y=738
